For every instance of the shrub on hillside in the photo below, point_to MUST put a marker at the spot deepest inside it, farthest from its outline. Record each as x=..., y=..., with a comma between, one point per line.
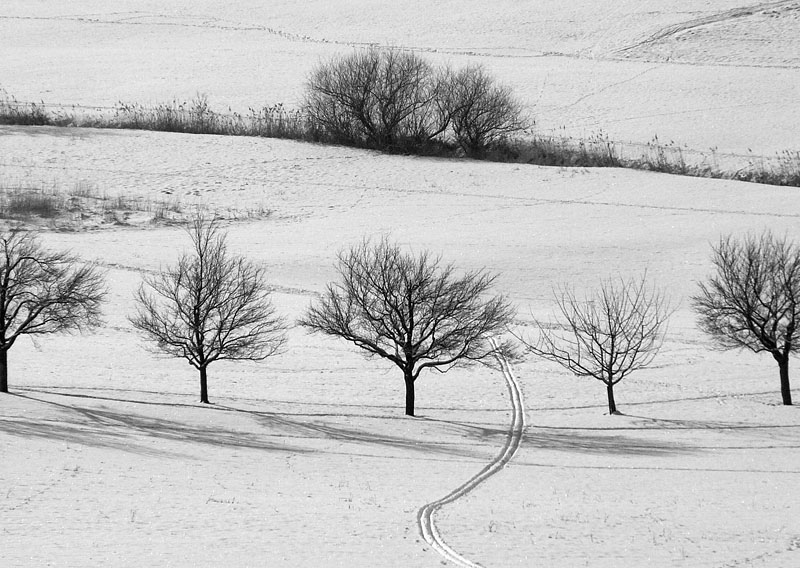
x=377, y=98
x=480, y=110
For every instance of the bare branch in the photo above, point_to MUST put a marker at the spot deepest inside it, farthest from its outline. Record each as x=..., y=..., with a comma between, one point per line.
x=411, y=310
x=607, y=335
x=43, y=292
x=210, y=306
x=751, y=302
x=376, y=97
x=480, y=110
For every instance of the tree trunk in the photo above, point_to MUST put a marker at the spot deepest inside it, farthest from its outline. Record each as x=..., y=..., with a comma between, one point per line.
x=409, y=377
x=203, y=386
x=786, y=391
x=4, y=370
x=612, y=406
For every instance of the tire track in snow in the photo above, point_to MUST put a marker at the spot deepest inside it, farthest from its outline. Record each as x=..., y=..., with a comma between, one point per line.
x=425, y=516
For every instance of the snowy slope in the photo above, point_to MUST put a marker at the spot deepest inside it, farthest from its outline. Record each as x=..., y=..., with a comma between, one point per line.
x=306, y=458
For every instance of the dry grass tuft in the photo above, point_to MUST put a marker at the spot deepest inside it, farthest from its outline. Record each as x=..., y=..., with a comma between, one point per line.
x=84, y=206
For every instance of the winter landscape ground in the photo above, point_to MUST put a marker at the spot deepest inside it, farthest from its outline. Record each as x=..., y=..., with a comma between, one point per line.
x=306, y=459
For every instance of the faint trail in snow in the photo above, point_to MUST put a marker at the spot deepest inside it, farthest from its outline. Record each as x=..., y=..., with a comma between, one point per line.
x=139, y=18
x=425, y=516
x=532, y=201
x=56, y=479
x=212, y=23
x=139, y=270
x=186, y=21
x=675, y=29
x=125, y=267
x=607, y=87
x=361, y=188
x=655, y=468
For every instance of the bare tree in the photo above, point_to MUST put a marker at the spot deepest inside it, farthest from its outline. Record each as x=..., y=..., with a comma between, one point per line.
x=378, y=97
x=411, y=310
x=211, y=306
x=43, y=292
x=752, y=302
x=481, y=111
x=608, y=335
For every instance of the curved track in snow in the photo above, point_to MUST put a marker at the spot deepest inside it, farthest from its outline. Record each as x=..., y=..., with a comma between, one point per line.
x=725, y=16
x=425, y=516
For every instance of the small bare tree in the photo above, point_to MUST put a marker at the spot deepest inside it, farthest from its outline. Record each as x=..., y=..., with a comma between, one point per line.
x=480, y=111
x=43, y=292
x=211, y=306
x=753, y=300
x=377, y=97
x=608, y=335
x=411, y=310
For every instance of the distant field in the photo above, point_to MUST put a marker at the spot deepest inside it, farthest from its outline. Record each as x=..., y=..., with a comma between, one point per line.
x=628, y=68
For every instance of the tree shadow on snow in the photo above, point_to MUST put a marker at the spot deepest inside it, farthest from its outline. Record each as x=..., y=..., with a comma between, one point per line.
x=652, y=423
x=576, y=440
x=653, y=402
x=289, y=426
x=131, y=432
x=478, y=432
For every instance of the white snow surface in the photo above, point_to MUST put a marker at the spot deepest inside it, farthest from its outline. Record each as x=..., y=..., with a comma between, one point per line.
x=306, y=459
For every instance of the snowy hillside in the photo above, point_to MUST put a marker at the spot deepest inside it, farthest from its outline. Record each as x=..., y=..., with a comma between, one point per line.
x=306, y=459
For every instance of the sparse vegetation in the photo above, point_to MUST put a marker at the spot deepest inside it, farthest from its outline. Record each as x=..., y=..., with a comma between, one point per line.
x=29, y=204
x=197, y=117
x=784, y=169
x=13, y=111
x=599, y=151
x=84, y=205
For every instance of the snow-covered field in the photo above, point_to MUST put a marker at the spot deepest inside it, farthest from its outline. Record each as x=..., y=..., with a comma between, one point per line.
x=306, y=459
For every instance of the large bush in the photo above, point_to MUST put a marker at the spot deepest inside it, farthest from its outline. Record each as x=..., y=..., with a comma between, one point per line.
x=480, y=110
x=393, y=99
x=378, y=98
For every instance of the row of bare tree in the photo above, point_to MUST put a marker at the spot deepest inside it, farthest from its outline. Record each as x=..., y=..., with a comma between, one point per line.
x=412, y=310
x=752, y=302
